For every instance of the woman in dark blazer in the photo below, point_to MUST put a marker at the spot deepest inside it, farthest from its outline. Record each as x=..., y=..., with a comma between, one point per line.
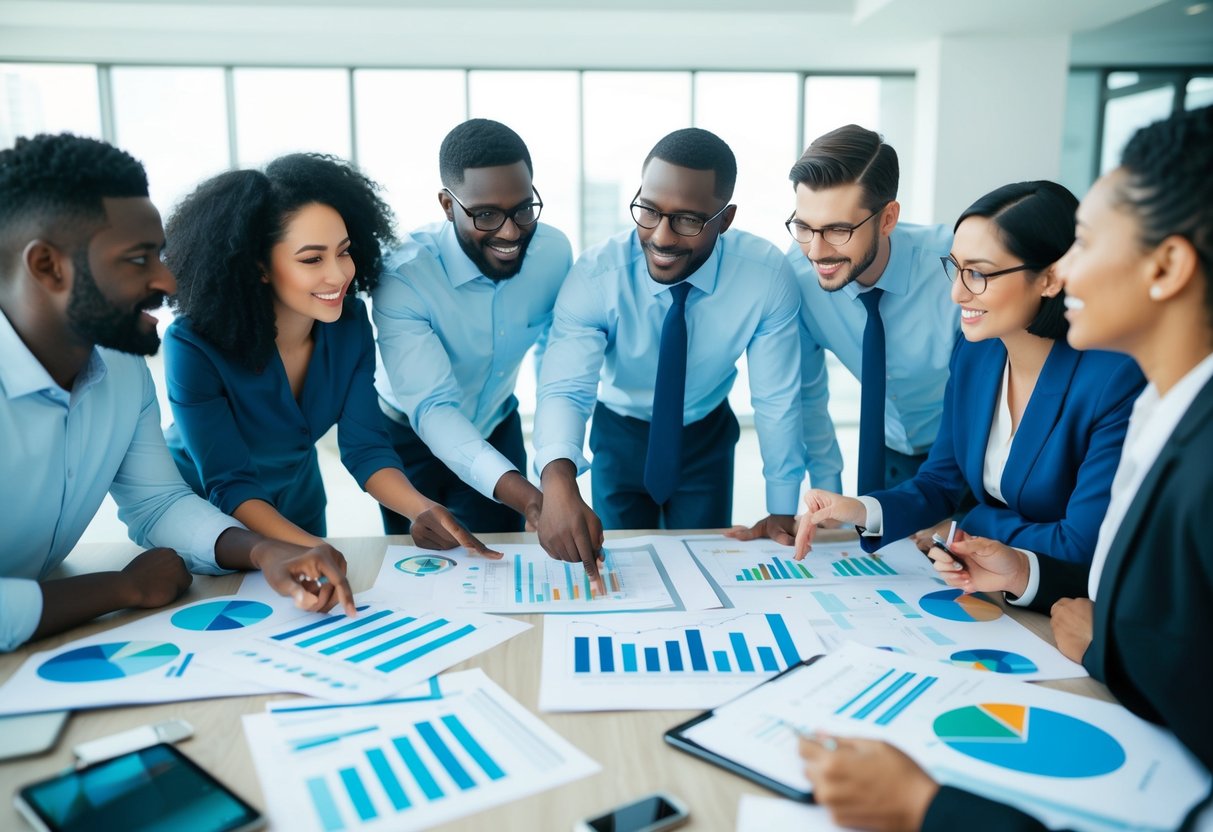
x=1138, y=277
x=1032, y=427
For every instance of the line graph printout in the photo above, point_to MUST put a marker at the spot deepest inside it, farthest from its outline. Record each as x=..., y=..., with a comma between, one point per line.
x=152, y=659
x=666, y=660
x=637, y=574
x=1066, y=759
x=925, y=618
x=763, y=563
x=371, y=656
x=406, y=765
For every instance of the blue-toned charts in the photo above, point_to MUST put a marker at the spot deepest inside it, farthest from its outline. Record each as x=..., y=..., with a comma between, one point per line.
x=221, y=615
x=422, y=565
x=117, y=660
x=994, y=661
x=666, y=660
x=761, y=563
x=407, y=765
x=370, y=656
x=954, y=605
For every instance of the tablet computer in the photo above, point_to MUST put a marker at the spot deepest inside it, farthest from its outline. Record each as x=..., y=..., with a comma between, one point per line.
x=695, y=738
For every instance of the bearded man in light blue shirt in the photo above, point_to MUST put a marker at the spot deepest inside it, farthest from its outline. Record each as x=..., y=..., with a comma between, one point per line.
x=457, y=308
x=80, y=270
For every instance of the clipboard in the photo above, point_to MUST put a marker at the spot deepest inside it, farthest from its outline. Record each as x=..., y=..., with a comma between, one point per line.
x=677, y=737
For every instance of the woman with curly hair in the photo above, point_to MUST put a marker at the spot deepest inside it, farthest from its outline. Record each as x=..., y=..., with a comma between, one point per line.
x=272, y=348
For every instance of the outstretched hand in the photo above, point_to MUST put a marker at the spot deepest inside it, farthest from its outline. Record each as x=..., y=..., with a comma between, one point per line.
x=437, y=528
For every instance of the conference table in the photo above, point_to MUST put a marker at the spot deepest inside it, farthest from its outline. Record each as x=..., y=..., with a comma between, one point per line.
x=628, y=745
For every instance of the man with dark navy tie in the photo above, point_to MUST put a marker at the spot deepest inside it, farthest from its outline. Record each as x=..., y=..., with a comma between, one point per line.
x=648, y=329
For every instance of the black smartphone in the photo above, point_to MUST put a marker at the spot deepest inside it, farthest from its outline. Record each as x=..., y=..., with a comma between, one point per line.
x=653, y=813
x=153, y=788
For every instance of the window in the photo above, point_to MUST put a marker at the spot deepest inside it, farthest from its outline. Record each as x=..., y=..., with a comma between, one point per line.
x=48, y=98
x=286, y=110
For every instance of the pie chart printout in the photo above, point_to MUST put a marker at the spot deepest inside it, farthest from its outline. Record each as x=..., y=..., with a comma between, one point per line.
x=422, y=565
x=954, y=605
x=222, y=615
x=995, y=661
x=99, y=662
x=1030, y=739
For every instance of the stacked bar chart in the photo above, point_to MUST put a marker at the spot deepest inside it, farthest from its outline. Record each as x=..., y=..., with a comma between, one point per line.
x=370, y=656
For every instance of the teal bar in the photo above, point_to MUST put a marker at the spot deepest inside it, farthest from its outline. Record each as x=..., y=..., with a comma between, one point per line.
x=361, y=622
x=358, y=796
x=356, y=640
x=322, y=799
x=862, y=563
x=806, y=572
x=397, y=641
x=402, y=660
x=767, y=657
x=629, y=658
x=530, y=581
x=722, y=661
x=568, y=576
x=473, y=748
x=417, y=768
x=387, y=778
x=883, y=567
x=448, y=760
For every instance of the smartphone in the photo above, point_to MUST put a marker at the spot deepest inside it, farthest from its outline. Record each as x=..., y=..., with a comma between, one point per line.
x=154, y=788
x=653, y=813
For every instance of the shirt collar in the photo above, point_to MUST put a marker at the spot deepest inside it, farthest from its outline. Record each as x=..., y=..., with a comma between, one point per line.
x=22, y=374
x=895, y=279
x=458, y=266
x=704, y=278
x=1155, y=418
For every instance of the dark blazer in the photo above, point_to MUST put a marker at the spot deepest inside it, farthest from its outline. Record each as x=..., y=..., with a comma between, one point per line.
x=1153, y=634
x=1059, y=472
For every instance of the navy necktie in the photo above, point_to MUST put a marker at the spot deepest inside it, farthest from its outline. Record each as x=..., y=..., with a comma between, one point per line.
x=871, y=398
x=663, y=461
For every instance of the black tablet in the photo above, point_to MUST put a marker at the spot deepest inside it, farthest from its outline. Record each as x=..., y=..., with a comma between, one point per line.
x=682, y=738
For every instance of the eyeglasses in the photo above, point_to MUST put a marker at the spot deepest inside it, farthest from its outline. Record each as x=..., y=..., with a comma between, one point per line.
x=835, y=235
x=974, y=280
x=491, y=219
x=684, y=225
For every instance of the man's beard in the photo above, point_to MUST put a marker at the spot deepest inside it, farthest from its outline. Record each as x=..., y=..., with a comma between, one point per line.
x=476, y=254
x=869, y=257
x=99, y=322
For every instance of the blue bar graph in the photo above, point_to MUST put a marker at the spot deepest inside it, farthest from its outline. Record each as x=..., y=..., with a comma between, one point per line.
x=367, y=636
x=581, y=654
x=416, y=653
x=353, y=625
x=896, y=600
x=326, y=808
x=316, y=625
x=417, y=768
x=880, y=698
x=629, y=658
x=357, y=792
x=606, y=655
x=695, y=645
x=783, y=638
x=830, y=602
x=473, y=748
x=767, y=658
x=444, y=756
x=744, y=663
x=860, y=695
x=652, y=659
x=903, y=703
x=722, y=660
x=387, y=779
x=399, y=640
x=673, y=652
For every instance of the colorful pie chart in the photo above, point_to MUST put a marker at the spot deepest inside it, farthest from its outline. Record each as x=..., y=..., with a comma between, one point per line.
x=1030, y=740
x=954, y=605
x=422, y=565
x=994, y=661
x=99, y=662
x=221, y=615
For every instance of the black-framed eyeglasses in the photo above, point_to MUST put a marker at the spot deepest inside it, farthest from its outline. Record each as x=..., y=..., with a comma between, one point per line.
x=488, y=218
x=835, y=235
x=684, y=225
x=974, y=280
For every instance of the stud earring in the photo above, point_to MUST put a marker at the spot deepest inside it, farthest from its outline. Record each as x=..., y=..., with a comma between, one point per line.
x=1155, y=293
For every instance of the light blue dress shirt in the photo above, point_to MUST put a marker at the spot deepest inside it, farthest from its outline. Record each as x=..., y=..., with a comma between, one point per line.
x=451, y=341
x=921, y=327
x=62, y=452
x=608, y=324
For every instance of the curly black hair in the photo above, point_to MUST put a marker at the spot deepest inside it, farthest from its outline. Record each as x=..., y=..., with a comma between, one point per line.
x=53, y=185
x=479, y=143
x=698, y=149
x=219, y=241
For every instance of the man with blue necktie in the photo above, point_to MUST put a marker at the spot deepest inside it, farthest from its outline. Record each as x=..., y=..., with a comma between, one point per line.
x=873, y=294
x=648, y=329
x=457, y=308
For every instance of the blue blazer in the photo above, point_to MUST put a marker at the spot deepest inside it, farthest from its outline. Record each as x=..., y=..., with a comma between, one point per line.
x=1059, y=472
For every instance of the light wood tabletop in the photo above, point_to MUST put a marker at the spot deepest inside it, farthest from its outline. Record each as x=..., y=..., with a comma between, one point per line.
x=628, y=745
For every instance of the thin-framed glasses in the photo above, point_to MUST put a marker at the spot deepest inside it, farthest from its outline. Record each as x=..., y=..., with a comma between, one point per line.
x=835, y=235
x=684, y=225
x=974, y=280
x=488, y=218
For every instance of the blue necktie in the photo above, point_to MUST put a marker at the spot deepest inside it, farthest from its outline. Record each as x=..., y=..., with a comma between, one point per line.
x=871, y=398
x=663, y=461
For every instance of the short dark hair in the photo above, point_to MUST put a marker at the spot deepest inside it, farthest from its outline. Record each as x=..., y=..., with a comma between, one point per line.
x=1169, y=188
x=219, y=241
x=1035, y=222
x=699, y=149
x=480, y=143
x=850, y=154
x=53, y=186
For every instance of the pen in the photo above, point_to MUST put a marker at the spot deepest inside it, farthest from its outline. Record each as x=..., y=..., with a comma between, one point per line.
x=828, y=743
x=946, y=546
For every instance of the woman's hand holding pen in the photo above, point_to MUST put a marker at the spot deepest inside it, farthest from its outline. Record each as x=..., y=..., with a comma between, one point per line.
x=987, y=565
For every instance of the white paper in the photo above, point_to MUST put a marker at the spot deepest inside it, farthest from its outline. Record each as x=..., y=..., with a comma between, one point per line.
x=660, y=661
x=764, y=814
x=1058, y=756
x=646, y=573
x=764, y=564
x=409, y=765
x=381, y=651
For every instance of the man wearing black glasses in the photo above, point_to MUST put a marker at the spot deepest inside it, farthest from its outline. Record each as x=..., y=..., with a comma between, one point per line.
x=457, y=308
x=871, y=293
x=648, y=329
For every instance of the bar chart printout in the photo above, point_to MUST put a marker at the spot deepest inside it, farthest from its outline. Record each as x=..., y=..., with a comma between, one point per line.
x=666, y=660
x=762, y=563
x=406, y=765
x=378, y=652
